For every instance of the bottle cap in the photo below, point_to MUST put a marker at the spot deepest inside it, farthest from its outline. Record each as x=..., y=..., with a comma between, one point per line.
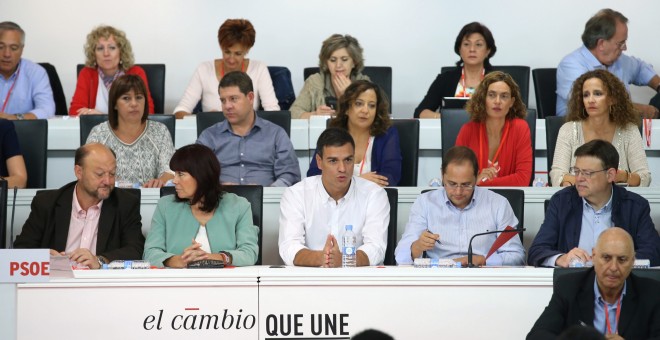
x=349, y=227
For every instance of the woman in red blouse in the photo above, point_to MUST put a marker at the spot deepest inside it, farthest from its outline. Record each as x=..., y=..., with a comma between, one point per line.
x=498, y=133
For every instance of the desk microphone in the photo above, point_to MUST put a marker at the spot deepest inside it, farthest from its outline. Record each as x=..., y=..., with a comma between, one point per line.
x=469, y=252
x=13, y=210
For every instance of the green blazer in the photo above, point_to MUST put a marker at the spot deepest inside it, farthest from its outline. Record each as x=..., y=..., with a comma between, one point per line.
x=173, y=228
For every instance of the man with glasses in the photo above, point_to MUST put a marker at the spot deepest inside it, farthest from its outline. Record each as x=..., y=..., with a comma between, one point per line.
x=442, y=221
x=604, y=38
x=577, y=214
x=25, y=91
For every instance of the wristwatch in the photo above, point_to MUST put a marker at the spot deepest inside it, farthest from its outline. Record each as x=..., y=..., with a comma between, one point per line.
x=101, y=261
x=20, y=116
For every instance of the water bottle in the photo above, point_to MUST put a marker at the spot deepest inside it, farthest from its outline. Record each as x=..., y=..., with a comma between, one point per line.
x=348, y=258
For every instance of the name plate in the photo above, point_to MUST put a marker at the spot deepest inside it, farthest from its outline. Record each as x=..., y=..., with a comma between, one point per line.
x=24, y=265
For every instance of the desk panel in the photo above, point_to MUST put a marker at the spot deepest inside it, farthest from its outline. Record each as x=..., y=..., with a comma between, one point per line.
x=405, y=302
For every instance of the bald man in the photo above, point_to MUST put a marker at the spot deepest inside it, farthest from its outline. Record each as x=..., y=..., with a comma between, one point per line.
x=88, y=220
x=608, y=297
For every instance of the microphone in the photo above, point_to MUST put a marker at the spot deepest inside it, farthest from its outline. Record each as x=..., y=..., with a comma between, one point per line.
x=507, y=230
x=13, y=210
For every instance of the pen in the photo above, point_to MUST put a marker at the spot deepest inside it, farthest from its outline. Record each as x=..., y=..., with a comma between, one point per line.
x=438, y=241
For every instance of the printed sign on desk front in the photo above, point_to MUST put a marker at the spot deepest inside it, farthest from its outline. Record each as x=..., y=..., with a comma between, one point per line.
x=24, y=265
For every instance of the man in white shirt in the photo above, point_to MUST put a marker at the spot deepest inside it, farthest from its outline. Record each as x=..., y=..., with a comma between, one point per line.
x=314, y=212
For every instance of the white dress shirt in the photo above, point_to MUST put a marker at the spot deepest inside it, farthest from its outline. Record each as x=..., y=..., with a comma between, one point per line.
x=308, y=215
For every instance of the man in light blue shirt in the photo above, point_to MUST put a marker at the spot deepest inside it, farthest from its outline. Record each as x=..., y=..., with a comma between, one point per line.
x=25, y=91
x=442, y=221
x=251, y=150
x=604, y=39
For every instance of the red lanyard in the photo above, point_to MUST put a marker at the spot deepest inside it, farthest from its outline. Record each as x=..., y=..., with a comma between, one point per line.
x=499, y=148
x=607, y=317
x=222, y=71
x=364, y=158
x=4, y=106
x=647, y=130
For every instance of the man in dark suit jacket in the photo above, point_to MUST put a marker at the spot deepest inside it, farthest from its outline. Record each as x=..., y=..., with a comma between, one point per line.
x=571, y=226
x=583, y=298
x=88, y=220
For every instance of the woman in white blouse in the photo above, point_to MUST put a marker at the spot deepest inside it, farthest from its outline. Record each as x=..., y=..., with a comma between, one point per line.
x=600, y=108
x=236, y=38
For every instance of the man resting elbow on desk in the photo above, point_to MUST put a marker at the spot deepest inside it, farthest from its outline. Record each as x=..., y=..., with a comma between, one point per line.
x=314, y=212
x=442, y=221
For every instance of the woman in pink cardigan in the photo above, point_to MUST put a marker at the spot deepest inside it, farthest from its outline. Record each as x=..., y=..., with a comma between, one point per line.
x=498, y=133
x=108, y=56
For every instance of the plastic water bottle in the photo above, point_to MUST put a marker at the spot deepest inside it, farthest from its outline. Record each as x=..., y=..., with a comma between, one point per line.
x=348, y=258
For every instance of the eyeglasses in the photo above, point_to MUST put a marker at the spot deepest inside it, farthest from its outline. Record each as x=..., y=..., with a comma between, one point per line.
x=454, y=186
x=584, y=173
x=621, y=45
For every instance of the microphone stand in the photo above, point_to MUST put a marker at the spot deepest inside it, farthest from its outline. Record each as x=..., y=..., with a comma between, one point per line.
x=469, y=252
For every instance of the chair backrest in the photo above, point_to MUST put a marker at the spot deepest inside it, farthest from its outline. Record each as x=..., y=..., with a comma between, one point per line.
x=253, y=194
x=545, y=90
x=531, y=122
x=408, y=130
x=520, y=75
x=281, y=118
x=516, y=198
x=283, y=86
x=381, y=75
x=88, y=122
x=393, y=198
x=33, y=139
x=156, y=78
x=3, y=214
x=450, y=124
x=58, y=92
x=552, y=126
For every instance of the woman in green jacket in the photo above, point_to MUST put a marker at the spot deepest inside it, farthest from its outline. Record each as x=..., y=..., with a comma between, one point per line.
x=200, y=221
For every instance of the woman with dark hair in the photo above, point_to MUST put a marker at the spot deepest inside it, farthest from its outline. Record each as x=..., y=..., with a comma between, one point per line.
x=236, y=37
x=218, y=223
x=108, y=55
x=143, y=147
x=363, y=112
x=600, y=108
x=340, y=64
x=475, y=46
x=498, y=133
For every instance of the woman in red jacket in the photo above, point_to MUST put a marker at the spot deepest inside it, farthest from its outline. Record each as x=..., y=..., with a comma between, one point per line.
x=108, y=56
x=498, y=133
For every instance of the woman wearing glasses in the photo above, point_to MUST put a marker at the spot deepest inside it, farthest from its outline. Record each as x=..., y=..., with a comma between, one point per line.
x=600, y=108
x=498, y=133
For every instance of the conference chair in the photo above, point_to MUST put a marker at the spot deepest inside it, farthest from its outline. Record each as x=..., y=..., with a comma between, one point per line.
x=254, y=194
x=393, y=198
x=516, y=198
x=281, y=118
x=450, y=124
x=3, y=214
x=545, y=89
x=408, y=130
x=552, y=126
x=58, y=92
x=381, y=75
x=33, y=139
x=156, y=79
x=283, y=86
x=88, y=122
x=520, y=75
